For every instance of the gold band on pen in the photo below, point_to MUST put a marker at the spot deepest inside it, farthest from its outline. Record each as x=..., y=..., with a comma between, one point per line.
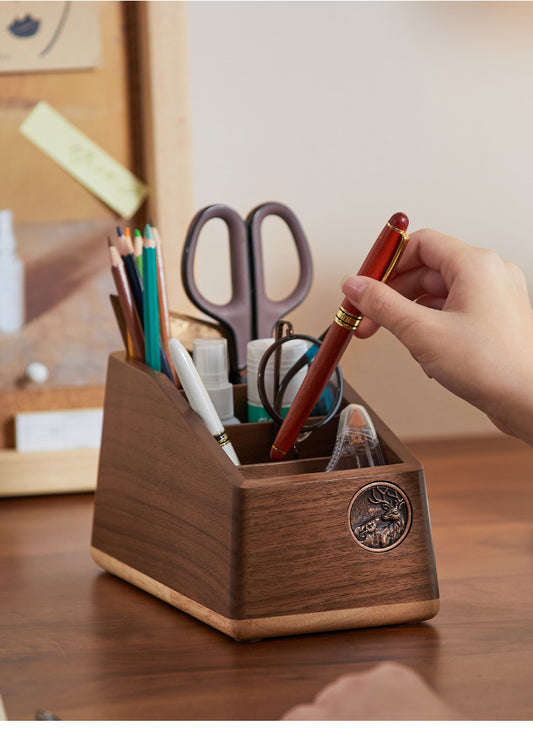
x=280, y=451
x=347, y=320
x=222, y=438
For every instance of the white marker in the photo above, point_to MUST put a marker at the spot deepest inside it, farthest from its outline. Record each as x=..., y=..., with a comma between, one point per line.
x=198, y=396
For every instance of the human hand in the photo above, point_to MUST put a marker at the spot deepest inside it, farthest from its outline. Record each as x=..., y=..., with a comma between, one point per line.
x=465, y=315
x=389, y=691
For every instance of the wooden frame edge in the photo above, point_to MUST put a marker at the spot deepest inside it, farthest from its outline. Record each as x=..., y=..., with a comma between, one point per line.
x=166, y=125
x=43, y=473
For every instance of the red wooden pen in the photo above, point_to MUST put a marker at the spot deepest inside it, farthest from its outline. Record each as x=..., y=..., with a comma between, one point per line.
x=379, y=264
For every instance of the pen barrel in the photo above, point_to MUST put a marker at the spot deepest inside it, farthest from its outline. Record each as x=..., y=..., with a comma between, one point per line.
x=384, y=254
x=378, y=264
x=227, y=446
x=316, y=379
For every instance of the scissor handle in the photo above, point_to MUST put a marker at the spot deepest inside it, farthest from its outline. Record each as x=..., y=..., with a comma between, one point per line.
x=235, y=315
x=267, y=312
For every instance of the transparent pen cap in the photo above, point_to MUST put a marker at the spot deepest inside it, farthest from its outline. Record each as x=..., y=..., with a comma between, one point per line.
x=357, y=443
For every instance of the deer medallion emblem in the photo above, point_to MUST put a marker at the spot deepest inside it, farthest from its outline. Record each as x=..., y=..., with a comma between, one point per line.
x=379, y=516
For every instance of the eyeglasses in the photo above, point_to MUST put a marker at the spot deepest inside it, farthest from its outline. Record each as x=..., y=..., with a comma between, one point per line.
x=331, y=397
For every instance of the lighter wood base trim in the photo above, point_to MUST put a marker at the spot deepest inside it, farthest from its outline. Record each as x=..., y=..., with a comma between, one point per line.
x=281, y=625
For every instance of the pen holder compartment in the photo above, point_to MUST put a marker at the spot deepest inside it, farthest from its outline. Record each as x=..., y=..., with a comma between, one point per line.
x=267, y=548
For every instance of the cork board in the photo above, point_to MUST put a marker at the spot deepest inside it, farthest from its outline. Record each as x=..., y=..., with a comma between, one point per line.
x=62, y=229
x=35, y=36
x=96, y=100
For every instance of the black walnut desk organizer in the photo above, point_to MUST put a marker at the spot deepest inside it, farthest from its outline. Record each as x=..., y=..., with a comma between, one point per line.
x=264, y=549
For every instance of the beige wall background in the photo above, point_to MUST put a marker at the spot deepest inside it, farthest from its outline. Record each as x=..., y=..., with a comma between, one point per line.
x=348, y=112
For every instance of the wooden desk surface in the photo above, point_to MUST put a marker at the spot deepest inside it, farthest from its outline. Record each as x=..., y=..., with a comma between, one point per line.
x=85, y=645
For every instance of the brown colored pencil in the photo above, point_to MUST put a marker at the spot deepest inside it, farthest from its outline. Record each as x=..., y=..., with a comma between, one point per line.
x=164, y=315
x=131, y=316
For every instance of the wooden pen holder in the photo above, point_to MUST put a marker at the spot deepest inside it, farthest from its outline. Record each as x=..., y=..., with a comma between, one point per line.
x=264, y=549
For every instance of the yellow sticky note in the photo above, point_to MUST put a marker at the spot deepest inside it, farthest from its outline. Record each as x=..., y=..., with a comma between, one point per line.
x=106, y=178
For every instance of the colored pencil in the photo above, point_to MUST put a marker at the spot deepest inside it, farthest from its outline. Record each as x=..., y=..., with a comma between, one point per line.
x=164, y=314
x=125, y=249
x=127, y=234
x=138, y=250
x=150, y=302
x=131, y=316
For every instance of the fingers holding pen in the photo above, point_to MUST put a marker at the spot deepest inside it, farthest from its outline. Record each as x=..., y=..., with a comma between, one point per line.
x=435, y=271
x=455, y=261
x=435, y=251
x=384, y=306
x=479, y=312
x=420, y=276
x=419, y=281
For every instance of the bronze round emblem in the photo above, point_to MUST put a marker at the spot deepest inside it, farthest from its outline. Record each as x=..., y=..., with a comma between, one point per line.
x=379, y=516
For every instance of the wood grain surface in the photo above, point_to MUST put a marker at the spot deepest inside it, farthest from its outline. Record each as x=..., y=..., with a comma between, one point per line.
x=85, y=645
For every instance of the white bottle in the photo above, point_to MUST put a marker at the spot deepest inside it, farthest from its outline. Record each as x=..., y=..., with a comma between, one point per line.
x=11, y=278
x=291, y=352
x=211, y=359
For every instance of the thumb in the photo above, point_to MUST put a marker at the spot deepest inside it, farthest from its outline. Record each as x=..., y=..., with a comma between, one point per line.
x=385, y=307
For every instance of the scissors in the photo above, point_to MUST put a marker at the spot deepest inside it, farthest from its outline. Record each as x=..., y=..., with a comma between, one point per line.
x=249, y=314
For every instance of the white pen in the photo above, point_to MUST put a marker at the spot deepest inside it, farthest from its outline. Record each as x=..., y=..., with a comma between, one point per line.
x=198, y=396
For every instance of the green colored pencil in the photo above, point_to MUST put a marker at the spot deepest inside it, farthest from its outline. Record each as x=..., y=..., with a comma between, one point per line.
x=150, y=302
x=138, y=250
